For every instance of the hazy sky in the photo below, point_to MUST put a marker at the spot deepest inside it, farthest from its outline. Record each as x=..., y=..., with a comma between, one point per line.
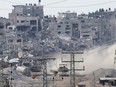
x=52, y=7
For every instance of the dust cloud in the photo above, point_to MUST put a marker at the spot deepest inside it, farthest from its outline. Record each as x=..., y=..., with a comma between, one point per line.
x=101, y=57
x=96, y=58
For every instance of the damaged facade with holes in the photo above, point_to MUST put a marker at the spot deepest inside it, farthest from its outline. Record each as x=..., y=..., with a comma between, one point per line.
x=4, y=23
x=28, y=21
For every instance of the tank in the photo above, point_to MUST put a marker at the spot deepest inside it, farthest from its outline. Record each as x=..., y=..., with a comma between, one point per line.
x=27, y=64
x=36, y=68
x=24, y=70
x=63, y=71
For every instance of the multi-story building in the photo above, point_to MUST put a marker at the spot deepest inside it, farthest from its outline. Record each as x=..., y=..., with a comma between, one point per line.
x=4, y=23
x=27, y=17
x=102, y=13
x=31, y=25
x=88, y=29
x=64, y=24
x=50, y=25
x=106, y=23
x=93, y=28
x=82, y=28
x=113, y=27
x=28, y=20
x=11, y=38
x=26, y=11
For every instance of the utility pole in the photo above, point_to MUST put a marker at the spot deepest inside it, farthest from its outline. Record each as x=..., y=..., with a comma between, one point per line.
x=45, y=81
x=1, y=77
x=94, y=82
x=43, y=60
x=4, y=82
x=72, y=65
x=115, y=58
x=114, y=63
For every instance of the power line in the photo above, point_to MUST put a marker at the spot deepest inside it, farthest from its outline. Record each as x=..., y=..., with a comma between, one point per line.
x=72, y=62
x=65, y=6
x=5, y=9
x=55, y=2
x=44, y=4
x=10, y=2
x=85, y=5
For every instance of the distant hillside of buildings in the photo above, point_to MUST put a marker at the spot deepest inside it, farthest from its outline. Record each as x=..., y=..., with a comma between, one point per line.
x=28, y=29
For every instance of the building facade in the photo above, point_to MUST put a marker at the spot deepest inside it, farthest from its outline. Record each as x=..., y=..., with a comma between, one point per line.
x=64, y=23
x=26, y=11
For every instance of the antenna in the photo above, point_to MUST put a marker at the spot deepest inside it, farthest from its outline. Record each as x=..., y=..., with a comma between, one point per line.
x=39, y=2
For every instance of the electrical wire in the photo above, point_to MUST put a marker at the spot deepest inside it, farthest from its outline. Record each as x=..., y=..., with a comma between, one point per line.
x=10, y=2
x=44, y=4
x=55, y=2
x=85, y=5
x=5, y=9
x=47, y=5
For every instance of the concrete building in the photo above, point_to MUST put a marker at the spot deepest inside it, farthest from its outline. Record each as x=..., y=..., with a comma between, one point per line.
x=104, y=13
x=81, y=29
x=27, y=30
x=11, y=38
x=106, y=31
x=64, y=23
x=88, y=29
x=29, y=24
x=26, y=10
x=68, y=14
x=4, y=23
x=75, y=29
x=50, y=24
x=28, y=21
x=113, y=27
x=101, y=24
